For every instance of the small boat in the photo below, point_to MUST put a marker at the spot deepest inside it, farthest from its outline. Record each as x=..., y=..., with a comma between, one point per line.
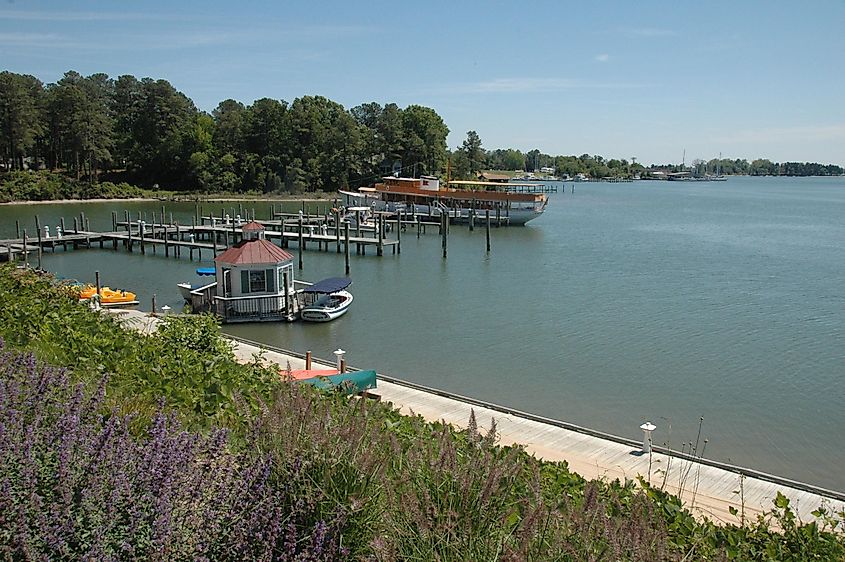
x=108, y=297
x=326, y=300
x=185, y=288
x=331, y=379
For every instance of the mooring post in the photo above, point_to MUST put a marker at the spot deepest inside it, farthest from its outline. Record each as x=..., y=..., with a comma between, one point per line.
x=38, y=234
x=287, y=297
x=380, y=226
x=647, y=428
x=153, y=313
x=301, y=241
x=97, y=283
x=25, y=252
x=9, y=252
x=472, y=216
x=444, y=221
x=346, y=245
x=75, y=225
x=337, y=228
x=129, y=237
x=488, y=230
x=114, y=221
x=308, y=360
x=399, y=233
x=419, y=224
x=17, y=229
x=141, y=233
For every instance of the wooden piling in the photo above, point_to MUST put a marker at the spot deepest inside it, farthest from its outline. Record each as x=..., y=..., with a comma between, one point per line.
x=398, y=245
x=308, y=360
x=114, y=221
x=444, y=221
x=141, y=235
x=380, y=226
x=287, y=297
x=337, y=228
x=488, y=230
x=154, y=305
x=25, y=252
x=75, y=225
x=97, y=283
x=17, y=229
x=346, y=245
x=300, y=240
x=38, y=234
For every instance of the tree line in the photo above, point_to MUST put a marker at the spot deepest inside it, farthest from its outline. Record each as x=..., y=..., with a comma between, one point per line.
x=148, y=133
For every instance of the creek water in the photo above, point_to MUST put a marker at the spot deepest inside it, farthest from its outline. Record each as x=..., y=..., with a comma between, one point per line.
x=623, y=303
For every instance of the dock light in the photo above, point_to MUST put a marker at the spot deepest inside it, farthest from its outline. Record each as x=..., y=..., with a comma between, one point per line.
x=227, y=218
x=46, y=231
x=339, y=353
x=58, y=232
x=647, y=428
x=165, y=309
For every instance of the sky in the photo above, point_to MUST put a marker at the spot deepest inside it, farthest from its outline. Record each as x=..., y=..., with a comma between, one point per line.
x=661, y=82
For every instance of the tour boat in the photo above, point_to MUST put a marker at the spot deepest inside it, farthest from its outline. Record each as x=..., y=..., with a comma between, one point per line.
x=326, y=300
x=425, y=195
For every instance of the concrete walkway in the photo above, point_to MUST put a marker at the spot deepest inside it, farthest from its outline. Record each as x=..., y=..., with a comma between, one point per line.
x=707, y=488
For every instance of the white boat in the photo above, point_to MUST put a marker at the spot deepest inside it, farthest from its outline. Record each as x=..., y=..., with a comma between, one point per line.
x=326, y=300
x=425, y=196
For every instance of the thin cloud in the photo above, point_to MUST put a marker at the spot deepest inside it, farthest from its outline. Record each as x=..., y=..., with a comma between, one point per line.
x=803, y=133
x=30, y=39
x=528, y=85
x=82, y=16
x=603, y=57
x=650, y=32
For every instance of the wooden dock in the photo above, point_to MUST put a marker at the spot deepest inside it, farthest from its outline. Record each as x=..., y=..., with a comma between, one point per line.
x=708, y=488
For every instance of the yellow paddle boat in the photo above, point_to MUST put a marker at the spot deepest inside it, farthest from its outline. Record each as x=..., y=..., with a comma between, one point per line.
x=107, y=295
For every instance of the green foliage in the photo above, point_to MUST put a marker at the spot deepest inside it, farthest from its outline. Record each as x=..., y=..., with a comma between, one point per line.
x=43, y=186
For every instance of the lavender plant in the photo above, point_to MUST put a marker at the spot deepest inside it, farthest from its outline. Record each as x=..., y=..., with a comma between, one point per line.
x=75, y=484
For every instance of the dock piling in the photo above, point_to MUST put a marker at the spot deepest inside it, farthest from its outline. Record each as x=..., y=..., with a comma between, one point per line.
x=488, y=231
x=300, y=239
x=346, y=245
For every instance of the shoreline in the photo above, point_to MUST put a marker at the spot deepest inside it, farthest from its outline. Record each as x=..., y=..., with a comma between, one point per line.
x=717, y=490
x=212, y=199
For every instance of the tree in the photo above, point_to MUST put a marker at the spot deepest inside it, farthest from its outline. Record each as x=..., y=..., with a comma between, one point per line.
x=425, y=139
x=20, y=116
x=471, y=148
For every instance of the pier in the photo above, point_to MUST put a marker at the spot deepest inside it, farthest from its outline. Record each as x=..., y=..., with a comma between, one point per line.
x=708, y=488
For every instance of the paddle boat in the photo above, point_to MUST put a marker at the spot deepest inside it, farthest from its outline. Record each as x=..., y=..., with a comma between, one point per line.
x=108, y=297
x=326, y=300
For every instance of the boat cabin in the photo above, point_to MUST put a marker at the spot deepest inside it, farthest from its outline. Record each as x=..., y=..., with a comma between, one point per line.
x=254, y=280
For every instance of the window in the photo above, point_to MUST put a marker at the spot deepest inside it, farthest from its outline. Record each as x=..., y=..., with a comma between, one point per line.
x=257, y=281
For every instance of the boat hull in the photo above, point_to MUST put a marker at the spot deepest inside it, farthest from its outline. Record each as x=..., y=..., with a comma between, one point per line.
x=327, y=309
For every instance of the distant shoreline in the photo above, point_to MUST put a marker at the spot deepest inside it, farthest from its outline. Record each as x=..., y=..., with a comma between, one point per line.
x=212, y=199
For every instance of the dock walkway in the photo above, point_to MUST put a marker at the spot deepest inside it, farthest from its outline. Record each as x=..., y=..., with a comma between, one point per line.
x=708, y=488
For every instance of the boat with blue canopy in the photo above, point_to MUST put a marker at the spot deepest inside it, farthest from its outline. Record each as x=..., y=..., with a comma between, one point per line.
x=326, y=300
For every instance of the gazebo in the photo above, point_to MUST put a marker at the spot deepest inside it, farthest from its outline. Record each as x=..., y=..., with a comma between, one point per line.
x=254, y=280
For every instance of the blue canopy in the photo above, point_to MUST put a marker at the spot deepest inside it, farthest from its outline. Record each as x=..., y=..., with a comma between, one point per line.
x=330, y=285
x=205, y=271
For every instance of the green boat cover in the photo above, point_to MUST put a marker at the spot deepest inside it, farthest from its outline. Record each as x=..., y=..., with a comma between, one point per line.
x=360, y=381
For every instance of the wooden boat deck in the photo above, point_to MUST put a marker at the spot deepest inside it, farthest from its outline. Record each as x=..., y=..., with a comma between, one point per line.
x=707, y=489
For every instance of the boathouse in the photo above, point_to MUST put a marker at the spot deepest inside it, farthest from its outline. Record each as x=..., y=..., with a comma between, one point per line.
x=254, y=280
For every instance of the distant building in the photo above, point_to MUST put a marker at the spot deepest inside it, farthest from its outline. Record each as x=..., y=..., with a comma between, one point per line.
x=490, y=176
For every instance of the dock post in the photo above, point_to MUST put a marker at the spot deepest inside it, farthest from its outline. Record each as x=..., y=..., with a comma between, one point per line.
x=38, y=233
x=25, y=252
x=75, y=226
x=488, y=231
x=419, y=224
x=308, y=360
x=113, y=221
x=87, y=224
x=196, y=211
x=97, y=283
x=177, y=251
x=214, y=242
x=153, y=313
x=399, y=233
x=380, y=226
x=18, y=229
x=287, y=297
x=301, y=241
x=337, y=228
x=129, y=237
x=444, y=220
x=647, y=428
x=141, y=230
x=82, y=220
x=166, y=246
x=472, y=216
x=346, y=245
x=9, y=252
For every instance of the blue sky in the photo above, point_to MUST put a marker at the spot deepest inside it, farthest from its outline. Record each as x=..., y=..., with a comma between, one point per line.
x=620, y=79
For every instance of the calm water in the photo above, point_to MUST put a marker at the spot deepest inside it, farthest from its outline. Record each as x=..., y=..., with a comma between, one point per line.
x=623, y=302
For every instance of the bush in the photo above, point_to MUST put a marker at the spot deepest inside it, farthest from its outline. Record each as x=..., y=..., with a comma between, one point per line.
x=43, y=186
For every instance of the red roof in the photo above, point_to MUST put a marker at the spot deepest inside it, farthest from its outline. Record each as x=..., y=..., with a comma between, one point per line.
x=252, y=225
x=253, y=251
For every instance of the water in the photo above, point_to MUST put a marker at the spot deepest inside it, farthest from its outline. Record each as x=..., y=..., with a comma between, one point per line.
x=622, y=303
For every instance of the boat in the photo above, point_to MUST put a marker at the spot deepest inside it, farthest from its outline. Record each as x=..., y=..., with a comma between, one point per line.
x=107, y=297
x=185, y=288
x=460, y=201
x=326, y=300
x=331, y=379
